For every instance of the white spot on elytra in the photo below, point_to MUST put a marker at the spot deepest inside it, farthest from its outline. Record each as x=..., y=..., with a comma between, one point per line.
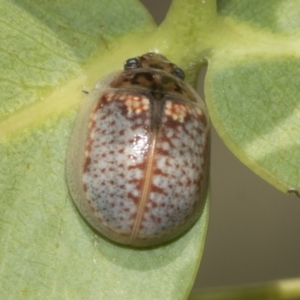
x=176, y=111
x=165, y=146
x=136, y=104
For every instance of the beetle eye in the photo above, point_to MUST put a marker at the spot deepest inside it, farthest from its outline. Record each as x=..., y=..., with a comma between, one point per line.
x=131, y=63
x=178, y=73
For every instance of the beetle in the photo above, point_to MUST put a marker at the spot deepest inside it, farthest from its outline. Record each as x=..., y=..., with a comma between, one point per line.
x=137, y=164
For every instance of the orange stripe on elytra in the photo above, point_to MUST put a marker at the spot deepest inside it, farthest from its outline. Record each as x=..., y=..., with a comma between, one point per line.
x=146, y=187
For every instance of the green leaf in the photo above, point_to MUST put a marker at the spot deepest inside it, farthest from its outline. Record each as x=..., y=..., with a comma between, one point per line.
x=252, y=86
x=50, y=52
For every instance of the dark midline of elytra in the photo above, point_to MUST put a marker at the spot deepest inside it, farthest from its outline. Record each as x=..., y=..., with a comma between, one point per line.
x=158, y=92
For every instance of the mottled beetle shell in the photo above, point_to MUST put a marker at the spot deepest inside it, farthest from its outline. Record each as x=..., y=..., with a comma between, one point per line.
x=138, y=157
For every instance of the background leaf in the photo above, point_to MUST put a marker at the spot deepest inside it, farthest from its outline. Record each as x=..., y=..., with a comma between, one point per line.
x=252, y=86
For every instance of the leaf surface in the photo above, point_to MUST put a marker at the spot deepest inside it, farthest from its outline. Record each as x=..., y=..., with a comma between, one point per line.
x=252, y=86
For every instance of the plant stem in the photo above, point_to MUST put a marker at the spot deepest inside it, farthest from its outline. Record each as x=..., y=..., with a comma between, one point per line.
x=190, y=18
x=188, y=27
